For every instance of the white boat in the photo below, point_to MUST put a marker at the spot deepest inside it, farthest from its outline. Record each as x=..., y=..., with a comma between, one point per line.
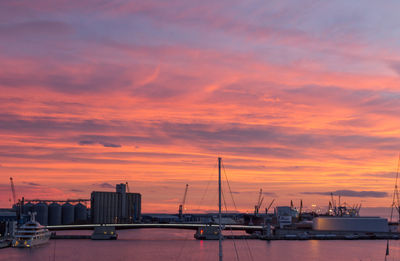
x=30, y=234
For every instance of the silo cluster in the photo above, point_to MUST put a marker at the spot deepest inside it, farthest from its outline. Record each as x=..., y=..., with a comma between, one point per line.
x=56, y=214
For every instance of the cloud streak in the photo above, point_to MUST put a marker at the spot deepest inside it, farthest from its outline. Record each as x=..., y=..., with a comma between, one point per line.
x=352, y=193
x=105, y=144
x=104, y=185
x=154, y=92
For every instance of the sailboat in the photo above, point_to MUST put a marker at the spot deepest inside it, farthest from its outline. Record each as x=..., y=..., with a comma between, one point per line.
x=213, y=232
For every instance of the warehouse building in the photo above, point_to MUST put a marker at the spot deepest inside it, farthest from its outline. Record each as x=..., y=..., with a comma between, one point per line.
x=8, y=222
x=115, y=207
x=351, y=224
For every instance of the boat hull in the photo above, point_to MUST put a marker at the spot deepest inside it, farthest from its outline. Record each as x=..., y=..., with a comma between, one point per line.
x=20, y=243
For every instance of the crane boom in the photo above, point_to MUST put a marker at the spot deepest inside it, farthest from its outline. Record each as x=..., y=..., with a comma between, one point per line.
x=259, y=197
x=184, y=196
x=259, y=202
x=269, y=206
x=13, y=190
x=181, y=206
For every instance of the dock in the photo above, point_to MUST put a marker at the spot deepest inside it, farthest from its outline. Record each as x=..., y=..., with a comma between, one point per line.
x=5, y=243
x=331, y=237
x=55, y=236
x=99, y=233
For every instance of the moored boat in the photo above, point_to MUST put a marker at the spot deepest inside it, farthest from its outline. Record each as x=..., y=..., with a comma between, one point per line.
x=30, y=234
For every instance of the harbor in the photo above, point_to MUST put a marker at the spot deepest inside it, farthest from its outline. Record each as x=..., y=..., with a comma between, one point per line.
x=199, y=130
x=286, y=235
x=171, y=244
x=111, y=212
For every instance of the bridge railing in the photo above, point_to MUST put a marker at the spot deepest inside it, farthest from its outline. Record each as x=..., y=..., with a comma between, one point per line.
x=151, y=225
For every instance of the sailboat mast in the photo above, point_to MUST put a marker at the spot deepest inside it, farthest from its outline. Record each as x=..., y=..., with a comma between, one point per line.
x=219, y=206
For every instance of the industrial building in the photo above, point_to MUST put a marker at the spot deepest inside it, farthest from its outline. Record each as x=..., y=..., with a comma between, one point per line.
x=115, y=207
x=57, y=213
x=351, y=224
x=285, y=215
x=8, y=222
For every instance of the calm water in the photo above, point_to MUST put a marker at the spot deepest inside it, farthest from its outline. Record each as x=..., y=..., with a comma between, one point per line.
x=149, y=244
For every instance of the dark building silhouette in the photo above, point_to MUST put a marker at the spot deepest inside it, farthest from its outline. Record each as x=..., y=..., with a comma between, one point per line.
x=115, y=207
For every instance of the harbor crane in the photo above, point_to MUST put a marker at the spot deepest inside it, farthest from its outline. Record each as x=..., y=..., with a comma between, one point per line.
x=181, y=206
x=355, y=210
x=333, y=205
x=301, y=209
x=269, y=206
x=13, y=190
x=342, y=209
x=396, y=197
x=259, y=203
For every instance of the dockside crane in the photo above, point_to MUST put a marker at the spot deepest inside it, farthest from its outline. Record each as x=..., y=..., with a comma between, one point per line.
x=259, y=203
x=181, y=206
x=17, y=204
x=301, y=209
x=333, y=205
x=357, y=209
x=269, y=206
x=396, y=197
x=13, y=191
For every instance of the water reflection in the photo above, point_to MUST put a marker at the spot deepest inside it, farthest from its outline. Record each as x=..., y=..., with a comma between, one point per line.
x=164, y=244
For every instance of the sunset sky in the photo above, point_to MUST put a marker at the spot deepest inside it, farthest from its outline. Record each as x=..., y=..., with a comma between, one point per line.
x=299, y=98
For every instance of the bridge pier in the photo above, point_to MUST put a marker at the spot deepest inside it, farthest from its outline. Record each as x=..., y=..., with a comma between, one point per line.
x=207, y=233
x=104, y=233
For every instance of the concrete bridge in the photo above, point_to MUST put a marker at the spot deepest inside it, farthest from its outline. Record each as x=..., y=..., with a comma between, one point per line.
x=152, y=225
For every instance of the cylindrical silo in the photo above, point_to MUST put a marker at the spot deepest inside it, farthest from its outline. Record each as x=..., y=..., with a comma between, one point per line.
x=55, y=214
x=41, y=213
x=67, y=214
x=28, y=207
x=80, y=213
